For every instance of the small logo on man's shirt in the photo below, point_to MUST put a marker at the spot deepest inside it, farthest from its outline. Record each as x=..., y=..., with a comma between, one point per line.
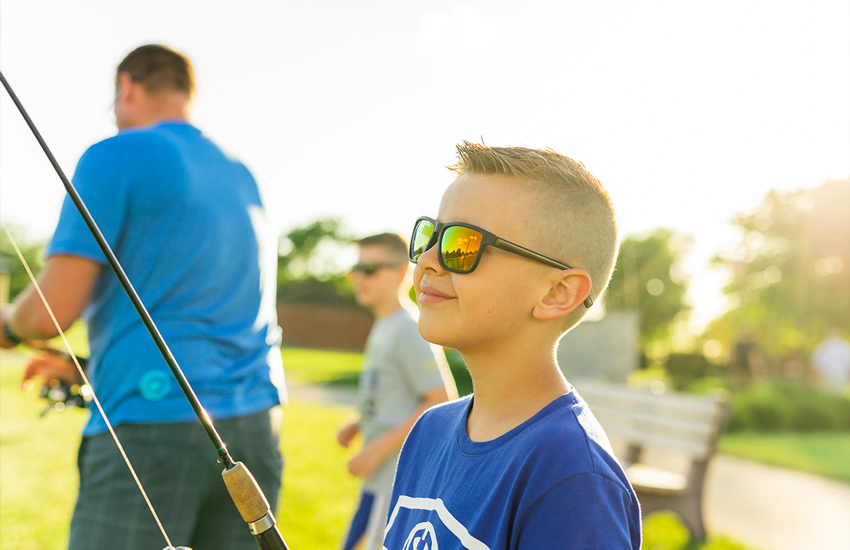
x=421, y=537
x=155, y=385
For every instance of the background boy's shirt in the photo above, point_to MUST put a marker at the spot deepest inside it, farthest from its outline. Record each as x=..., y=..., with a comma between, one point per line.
x=399, y=368
x=551, y=482
x=188, y=225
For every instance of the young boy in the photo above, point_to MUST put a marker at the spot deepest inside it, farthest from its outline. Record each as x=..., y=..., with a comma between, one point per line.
x=402, y=376
x=521, y=464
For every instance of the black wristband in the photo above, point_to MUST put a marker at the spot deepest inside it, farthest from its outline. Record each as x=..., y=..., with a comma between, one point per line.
x=9, y=335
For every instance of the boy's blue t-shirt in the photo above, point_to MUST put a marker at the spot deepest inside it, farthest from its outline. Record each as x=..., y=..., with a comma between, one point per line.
x=551, y=482
x=188, y=226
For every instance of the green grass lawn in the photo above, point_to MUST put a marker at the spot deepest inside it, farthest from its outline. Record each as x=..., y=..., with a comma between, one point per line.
x=664, y=531
x=38, y=476
x=821, y=453
x=314, y=366
x=319, y=495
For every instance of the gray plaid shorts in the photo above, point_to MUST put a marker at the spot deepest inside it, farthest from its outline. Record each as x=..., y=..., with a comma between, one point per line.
x=177, y=465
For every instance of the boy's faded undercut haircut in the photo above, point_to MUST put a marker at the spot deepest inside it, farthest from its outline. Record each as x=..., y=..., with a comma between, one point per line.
x=574, y=218
x=159, y=69
x=393, y=243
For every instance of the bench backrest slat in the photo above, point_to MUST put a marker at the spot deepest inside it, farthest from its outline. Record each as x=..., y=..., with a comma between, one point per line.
x=676, y=422
x=693, y=438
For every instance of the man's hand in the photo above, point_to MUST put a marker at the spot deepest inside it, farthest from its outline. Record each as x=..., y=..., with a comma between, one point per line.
x=49, y=366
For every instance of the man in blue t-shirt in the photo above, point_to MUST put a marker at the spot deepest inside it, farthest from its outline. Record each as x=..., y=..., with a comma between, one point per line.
x=189, y=227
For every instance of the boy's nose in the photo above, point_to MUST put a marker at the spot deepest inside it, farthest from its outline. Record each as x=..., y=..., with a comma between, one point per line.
x=429, y=260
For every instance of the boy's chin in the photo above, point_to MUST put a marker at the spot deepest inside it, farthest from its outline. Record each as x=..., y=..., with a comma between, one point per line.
x=363, y=300
x=432, y=331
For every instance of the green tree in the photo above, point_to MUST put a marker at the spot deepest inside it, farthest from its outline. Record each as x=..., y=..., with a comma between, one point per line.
x=789, y=274
x=33, y=252
x=647, y=278
x=308, y=264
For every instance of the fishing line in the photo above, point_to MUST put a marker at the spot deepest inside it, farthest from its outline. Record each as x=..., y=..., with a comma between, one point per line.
x=85, y=379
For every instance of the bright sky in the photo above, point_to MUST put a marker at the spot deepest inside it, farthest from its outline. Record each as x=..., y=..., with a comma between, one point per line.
x=688, y=112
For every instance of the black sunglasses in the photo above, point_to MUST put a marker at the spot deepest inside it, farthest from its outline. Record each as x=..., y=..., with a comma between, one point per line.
x=371, y=269
x=460, y=246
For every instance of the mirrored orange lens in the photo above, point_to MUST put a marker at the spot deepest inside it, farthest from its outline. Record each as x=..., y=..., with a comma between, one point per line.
x=421, y=237
x=459, y=248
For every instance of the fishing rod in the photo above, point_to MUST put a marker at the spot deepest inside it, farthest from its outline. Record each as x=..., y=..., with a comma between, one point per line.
x=252, y=504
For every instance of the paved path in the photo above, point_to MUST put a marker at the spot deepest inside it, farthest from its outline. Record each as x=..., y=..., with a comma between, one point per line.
x=764, y=507
x=772, y=508
x=315, y=392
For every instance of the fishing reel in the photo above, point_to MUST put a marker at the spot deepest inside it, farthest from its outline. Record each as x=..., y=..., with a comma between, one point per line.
x=60, y=395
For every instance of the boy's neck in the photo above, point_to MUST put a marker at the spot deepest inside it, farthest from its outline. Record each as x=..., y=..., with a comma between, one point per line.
x=526, y=382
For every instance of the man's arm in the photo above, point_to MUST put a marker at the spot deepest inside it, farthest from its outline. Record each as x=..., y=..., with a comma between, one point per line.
x=67, y=283
x=374, y=454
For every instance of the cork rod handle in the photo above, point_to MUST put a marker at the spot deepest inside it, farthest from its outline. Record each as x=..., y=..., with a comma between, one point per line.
x=245, y=492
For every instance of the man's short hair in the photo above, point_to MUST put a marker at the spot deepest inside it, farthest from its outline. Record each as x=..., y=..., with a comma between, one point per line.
x=574, y=218
x=393, y=243
x=159, y=69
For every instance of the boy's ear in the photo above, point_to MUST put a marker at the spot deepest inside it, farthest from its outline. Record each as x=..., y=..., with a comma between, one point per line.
x=567, y=292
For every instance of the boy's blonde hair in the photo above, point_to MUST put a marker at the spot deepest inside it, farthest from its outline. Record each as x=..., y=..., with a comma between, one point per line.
x=574, y=218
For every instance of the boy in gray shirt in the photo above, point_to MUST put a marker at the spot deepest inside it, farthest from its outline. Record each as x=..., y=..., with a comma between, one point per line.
x=402, y=376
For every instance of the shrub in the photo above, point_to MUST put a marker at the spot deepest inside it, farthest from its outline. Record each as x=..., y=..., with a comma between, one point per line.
x=816, y=411
x=760, y=408
x=686, y=368
x=708, y=384
x=788, y=406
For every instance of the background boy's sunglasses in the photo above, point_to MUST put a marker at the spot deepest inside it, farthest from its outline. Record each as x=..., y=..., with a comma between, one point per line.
x=460, y=246
x=371, y=269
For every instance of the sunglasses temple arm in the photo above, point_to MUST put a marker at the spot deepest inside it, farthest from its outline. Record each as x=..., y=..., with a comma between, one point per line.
x=532, y=255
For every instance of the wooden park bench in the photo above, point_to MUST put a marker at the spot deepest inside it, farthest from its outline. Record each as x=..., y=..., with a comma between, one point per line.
x=664, y=442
